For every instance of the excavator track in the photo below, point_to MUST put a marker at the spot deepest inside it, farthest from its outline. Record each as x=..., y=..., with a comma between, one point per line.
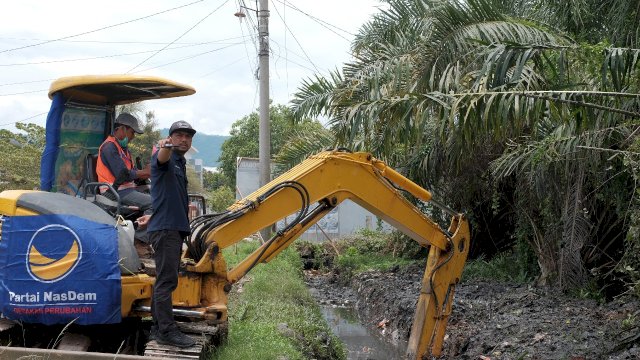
x=204, y=335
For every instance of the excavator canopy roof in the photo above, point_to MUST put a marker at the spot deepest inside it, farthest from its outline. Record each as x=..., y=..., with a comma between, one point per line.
x=117, y=89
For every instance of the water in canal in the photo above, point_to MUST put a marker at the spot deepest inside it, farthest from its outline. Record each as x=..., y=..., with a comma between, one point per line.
x=362, y=343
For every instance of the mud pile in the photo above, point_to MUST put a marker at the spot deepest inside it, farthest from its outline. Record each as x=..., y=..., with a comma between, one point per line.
x=495, y=320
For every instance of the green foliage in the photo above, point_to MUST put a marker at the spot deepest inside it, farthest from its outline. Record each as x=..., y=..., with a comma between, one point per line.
x=143, y=144
x=21, y=154
x=212, y=180
x=503, y=267
x=477, y=97
x=219, y=193
x=244, y=138
x=629, y=266
x=316, y=255
x=517, y=264
x=630, y=322
x=275, y=316
x=364, y=251
x=310, y=139
x=221, y=198
x=371, y=250
x=590, y=291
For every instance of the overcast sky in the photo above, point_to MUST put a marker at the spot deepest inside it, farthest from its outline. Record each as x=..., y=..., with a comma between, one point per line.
x=205, y=46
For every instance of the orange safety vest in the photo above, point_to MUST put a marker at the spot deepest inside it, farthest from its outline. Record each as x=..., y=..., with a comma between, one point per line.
x=103, y=172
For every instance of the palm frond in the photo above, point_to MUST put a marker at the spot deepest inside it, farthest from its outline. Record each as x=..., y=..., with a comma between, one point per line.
x=576, y=229
x=300, y=146
x=315, y=97
x=622, y=65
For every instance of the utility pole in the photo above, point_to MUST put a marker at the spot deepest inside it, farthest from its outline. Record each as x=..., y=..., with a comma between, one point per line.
x=264, y=142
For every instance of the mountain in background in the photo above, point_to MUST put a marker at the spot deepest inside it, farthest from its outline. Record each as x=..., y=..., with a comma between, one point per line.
x=209, y=146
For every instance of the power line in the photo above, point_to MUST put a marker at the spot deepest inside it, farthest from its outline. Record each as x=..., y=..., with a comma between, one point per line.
x=297, y=63
x=27, y=82
x=29, y=118
x=289, y=51
x=286, y=52
x=252, y=67
x=246, y=50
x=100, y=29
x=23, y=93
x=124, y=42
x=296, y=39
x=252, y=30
x=179, y=37
x=187, y=58
x=101, y=57
x=220, y=68
x=318, y=20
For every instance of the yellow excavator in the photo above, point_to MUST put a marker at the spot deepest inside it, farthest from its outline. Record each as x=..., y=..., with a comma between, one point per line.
x=68, y=260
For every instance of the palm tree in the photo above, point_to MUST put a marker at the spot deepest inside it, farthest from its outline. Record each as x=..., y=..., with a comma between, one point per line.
x=519, y=96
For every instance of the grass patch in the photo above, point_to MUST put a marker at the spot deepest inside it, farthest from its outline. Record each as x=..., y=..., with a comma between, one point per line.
x=365, y=250
x=501, y=267
x=355, y=261
x=274, y=316
x=373, y=250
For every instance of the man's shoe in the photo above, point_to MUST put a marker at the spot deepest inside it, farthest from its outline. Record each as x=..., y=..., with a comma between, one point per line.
x=175, y=338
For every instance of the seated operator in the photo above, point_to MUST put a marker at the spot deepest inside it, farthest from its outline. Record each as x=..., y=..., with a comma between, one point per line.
x=115, y=163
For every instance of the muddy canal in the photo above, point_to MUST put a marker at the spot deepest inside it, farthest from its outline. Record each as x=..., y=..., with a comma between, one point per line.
x=361, y=342
x=362, y=338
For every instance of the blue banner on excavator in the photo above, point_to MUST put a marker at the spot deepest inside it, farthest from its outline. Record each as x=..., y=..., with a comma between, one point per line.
x=55, y=269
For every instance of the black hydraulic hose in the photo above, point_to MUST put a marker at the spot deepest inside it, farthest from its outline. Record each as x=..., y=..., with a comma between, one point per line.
x=304, y=194
x=433, y=273
x=193, y=225
x=302, y=221
x=203, y=225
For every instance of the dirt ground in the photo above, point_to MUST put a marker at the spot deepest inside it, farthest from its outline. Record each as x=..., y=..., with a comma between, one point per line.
x=493, y=320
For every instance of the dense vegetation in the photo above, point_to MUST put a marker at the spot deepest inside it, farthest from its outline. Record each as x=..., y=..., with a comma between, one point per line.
x=243, y=140
x=522, y=114
x=369, y=250
x=20, y=160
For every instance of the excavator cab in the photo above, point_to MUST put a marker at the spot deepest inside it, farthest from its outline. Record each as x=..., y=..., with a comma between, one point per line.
x=81, y=117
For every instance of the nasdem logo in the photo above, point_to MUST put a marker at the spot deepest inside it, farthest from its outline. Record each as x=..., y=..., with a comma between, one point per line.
x=54, y=251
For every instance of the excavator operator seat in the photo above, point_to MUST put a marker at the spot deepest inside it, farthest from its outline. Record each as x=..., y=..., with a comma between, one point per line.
x=109, y=200
x=90, y=168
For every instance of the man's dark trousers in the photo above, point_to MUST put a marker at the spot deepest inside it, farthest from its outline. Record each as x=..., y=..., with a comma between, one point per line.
x=167, y=245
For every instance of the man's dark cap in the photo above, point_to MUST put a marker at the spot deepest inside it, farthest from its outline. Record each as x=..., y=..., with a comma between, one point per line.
x=181, y=126
x=130, y=121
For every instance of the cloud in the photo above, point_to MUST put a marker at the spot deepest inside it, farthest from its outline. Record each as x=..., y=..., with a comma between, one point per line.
x=218, y=56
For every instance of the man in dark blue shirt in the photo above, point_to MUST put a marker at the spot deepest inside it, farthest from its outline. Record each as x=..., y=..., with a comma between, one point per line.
x=167, y=228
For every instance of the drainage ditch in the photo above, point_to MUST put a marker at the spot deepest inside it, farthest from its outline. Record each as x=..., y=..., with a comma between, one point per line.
x=361, y=343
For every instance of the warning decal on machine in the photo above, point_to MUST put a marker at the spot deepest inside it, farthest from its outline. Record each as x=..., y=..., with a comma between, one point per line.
x=55, y=269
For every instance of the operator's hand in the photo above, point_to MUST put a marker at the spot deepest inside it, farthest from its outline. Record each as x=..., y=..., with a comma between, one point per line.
x=143, y=221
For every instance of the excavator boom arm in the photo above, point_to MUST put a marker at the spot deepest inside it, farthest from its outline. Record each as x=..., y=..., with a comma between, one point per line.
x=311, y=190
